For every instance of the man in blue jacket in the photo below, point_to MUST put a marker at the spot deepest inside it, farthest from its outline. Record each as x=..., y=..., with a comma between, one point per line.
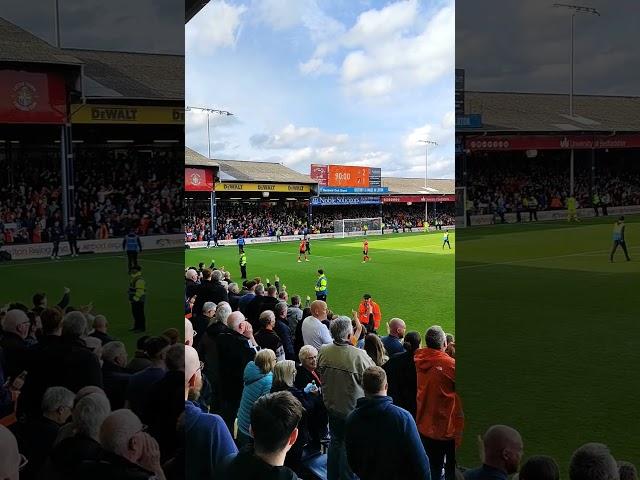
x=376, y=413
x=208, y=438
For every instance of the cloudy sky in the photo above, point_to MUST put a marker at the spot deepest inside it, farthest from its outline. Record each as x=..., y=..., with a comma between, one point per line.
x=155, y=26
x=330, y=81
x=525, y=46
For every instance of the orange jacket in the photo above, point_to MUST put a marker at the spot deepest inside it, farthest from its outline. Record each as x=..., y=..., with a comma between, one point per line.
x=364, y=317
x=439, y=410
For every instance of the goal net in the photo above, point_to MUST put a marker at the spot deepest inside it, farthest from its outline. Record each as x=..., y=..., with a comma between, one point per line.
x=461, y=207
x=353, y=227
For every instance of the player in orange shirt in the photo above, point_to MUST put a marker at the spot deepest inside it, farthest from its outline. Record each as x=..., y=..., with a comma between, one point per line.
x=303, y=250
x=365, y=251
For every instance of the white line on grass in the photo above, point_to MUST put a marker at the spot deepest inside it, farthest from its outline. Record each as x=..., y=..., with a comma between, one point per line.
x=534, y=259
x=88, y=257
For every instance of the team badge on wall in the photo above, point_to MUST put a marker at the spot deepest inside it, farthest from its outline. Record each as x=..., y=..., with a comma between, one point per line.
x=25, y=96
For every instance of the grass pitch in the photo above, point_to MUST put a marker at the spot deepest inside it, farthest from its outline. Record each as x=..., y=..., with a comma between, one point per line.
x=409, y=276
x=103, y=280
x=547, y=336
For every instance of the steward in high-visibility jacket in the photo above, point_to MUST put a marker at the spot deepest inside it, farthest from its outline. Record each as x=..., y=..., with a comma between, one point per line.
x=369, y=313
x=137, y=296
x=243, y=264
x=321, y=286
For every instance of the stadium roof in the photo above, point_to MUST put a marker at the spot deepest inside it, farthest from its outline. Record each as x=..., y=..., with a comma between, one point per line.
x=18, y=45
x=415, y=186
x=192, y=7
x=193, y=158
x=143, y=76
x=540, y=112
x=246, y=171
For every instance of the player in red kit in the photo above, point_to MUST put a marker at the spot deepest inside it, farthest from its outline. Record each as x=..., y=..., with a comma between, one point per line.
x=303, y=250
x=365, y=251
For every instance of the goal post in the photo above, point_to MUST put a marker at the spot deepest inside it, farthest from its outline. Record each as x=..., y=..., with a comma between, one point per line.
x=354, y=227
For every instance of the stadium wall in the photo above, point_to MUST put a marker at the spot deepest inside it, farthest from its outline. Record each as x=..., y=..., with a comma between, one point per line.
x=109, y=245
x=490, y=219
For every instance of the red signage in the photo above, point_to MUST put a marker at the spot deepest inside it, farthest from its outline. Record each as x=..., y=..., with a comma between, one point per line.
x=32, y=97
x=418, y=198
x=551, y=142
x=198, y=180
x=320, y=174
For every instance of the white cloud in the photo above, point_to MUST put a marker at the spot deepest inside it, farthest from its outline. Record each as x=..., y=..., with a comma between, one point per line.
x=215, y=27
x=441, y=158
x=407, y=60
x=317, y=66
x=297, y=137
x=374, y=25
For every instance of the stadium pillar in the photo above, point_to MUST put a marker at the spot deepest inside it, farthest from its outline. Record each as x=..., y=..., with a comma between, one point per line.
x=571, y=172
x=66, y=173
x=212, y=206
x=310, y=215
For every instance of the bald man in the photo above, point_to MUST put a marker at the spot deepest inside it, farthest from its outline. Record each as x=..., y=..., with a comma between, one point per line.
x=188, y=332
x=10, y=458
x=502, y=454
x=236, y=348
x=208, y=438
x=100, y=326
x=16, y=326
x=130, y=452
x=393, y=342
x=314, y=332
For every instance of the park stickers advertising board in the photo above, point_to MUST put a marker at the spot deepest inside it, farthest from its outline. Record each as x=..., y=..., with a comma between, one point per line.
x=127, y=114
x=261, y=187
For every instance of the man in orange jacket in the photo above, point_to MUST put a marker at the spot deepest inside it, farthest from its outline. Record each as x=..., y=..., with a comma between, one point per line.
x=369, y=314
x=439, y=410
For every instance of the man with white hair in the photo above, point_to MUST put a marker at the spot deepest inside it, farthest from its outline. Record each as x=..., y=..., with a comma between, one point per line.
x=100, y=326
x=438, y=408
x=37, y=436
x=15, y=327
x=129, y=452
x=208, y=351
x=208, y=440
x=10, y=459
x=593, y=461
x=236, y=348
x=188, y=332
x=114, y=373
x=201, y=322
x=191, y=285
x=341, y=365
x=502, y=452
x=84, y=445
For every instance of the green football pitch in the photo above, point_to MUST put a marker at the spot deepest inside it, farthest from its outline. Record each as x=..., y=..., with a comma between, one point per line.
x=103, y=280
x=547, y=336
x=409, y=275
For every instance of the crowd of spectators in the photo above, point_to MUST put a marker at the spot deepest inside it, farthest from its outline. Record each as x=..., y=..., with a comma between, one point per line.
x=236, y=220
x=280, y=387
x=74, y=404
x=508, y=185
x=108, y=201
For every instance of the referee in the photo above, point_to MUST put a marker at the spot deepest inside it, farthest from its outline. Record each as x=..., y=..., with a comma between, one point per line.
x=132, y=245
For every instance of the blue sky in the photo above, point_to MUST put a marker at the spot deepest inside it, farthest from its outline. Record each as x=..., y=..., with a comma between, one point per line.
x=325, y=81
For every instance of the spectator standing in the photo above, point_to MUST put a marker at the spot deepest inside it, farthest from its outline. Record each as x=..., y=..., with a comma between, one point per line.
x=376, y=413
x=282, y=330
x=369, y=314
x=502, y=447
x=438, y=412
x=401, y=375
x=258, y=378
x=137, y=394
x=314, y=331
x=274, y=426
x=100, y=327
x=341, y=365
x=267, y=337
x=393, y=342
x=593, y=461
x=294, y=314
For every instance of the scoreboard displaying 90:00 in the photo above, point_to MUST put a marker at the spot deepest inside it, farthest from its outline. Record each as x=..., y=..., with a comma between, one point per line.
x=346, y=176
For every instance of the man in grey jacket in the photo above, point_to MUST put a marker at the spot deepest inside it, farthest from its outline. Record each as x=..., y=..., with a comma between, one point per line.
x=341, y=366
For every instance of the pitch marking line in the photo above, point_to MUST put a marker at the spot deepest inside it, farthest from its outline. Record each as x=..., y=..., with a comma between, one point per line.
x=526, y=260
